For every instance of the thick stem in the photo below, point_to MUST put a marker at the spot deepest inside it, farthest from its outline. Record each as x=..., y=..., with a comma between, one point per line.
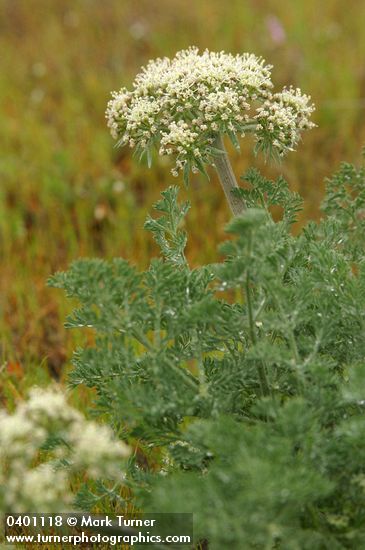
x=227, y=178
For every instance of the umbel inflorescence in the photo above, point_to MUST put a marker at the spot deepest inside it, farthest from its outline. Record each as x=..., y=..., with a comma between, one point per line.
x=181, y=105
x=46, y=422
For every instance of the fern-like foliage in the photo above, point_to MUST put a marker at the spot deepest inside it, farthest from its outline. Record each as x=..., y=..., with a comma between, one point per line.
x=247, y=376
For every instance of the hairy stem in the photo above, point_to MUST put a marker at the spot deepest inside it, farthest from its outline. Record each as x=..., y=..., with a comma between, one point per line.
x=227, y=177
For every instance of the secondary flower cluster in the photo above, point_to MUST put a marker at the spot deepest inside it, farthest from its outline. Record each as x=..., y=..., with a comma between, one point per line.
x=46, y=421
x=181, y=104
x=281, y=120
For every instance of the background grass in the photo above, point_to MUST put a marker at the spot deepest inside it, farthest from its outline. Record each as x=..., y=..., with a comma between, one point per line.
x=66, y=192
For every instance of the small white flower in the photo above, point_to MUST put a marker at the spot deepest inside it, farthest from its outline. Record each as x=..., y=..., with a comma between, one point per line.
x=87, y=447
x=282, y=118
x=19, y=436
x=104, y=460
x=39, y=489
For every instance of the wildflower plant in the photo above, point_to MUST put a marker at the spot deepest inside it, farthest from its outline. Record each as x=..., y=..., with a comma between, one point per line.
x=183, y=106
x=240, y=384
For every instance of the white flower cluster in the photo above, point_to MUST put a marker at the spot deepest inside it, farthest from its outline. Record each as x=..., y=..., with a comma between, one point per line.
x=27, y=483
x=180, y=105
x=282, y=119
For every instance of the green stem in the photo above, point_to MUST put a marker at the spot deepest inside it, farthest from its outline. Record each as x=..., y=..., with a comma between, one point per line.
x=292, y=343
x=290, y=335
x=250, y=312
x=141, y=338
x=293, y=346
x=265, y=388
x=203, y=389
x=227, y=177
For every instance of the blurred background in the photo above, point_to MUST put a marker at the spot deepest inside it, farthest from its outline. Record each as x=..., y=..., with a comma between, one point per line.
x=66, y=192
